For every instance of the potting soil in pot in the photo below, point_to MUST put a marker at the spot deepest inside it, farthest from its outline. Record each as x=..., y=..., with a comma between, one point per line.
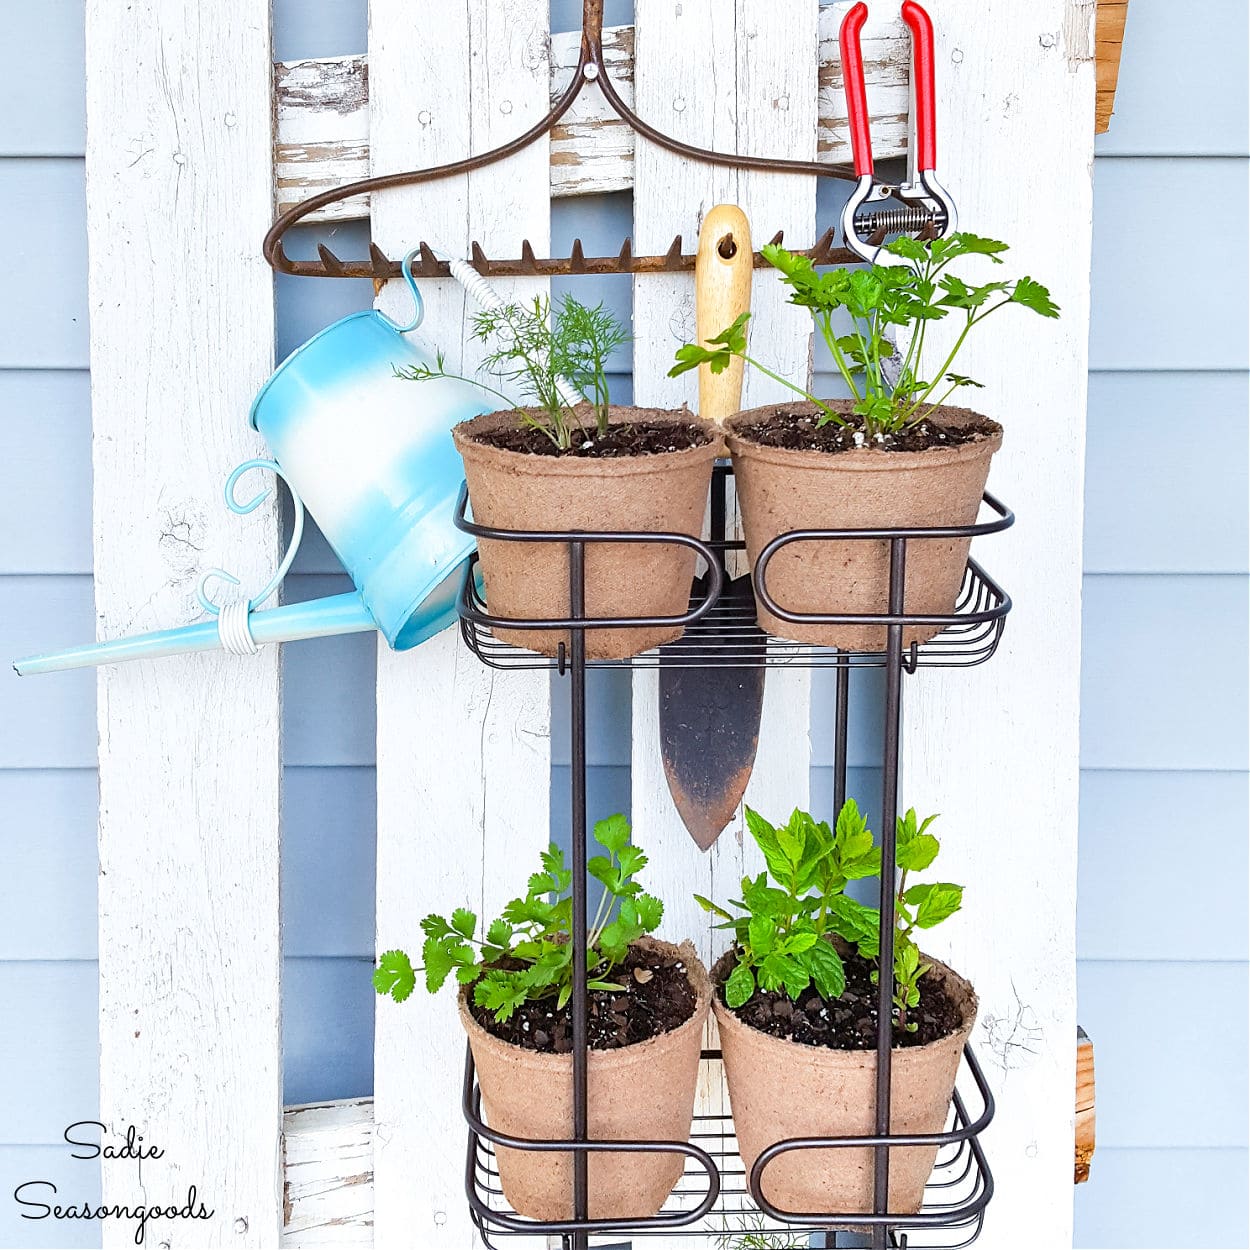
x=801, y=433
x=850, y=1022
x=657, y=998
x=641, y=438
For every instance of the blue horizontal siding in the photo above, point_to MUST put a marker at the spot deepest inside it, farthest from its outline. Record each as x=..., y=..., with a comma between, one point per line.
x=1166, y=473
x=1171, y=836
x=1170, y=1051
x=327, y=1028
x=48, y=1065
x=45, y=446
x=43, y=317
x=1182, y=83
x=1164, y=673
x=1138, y=318
x=1147, y=1199
x=77, y=1183
x=50, y=865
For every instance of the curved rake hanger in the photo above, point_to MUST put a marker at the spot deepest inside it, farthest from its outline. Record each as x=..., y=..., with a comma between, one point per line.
x=591, y=68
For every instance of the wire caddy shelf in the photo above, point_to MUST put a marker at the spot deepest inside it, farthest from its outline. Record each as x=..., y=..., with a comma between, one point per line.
x=716, y=1196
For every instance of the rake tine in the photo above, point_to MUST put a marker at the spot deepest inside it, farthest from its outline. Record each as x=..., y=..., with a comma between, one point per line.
x=824, y=245
x=577, y=259
x=429, y=262
x=529, y=263
x=381, y=262
x=672, y=258
x=480, y=262
x=333, y=265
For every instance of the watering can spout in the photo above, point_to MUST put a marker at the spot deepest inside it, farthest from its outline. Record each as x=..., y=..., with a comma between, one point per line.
x=318, y=618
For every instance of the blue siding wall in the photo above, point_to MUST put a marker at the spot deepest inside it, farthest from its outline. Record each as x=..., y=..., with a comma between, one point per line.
x=1164, y=753
x=1163, y=730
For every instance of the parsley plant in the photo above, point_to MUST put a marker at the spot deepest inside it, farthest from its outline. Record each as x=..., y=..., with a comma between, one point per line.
x=889, y=393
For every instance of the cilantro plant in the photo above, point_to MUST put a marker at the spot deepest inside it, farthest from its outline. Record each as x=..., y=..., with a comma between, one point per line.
x=542, y=352
x=889, y=392
x=792, y=915
x=527, y=954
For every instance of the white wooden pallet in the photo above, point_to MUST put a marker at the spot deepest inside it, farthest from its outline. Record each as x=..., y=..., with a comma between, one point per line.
x=184, y=154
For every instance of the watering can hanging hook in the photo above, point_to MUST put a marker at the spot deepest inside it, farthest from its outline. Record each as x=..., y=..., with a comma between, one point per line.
x=926, y=208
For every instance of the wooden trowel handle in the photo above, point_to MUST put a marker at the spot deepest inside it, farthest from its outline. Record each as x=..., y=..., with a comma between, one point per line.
x=722, y=293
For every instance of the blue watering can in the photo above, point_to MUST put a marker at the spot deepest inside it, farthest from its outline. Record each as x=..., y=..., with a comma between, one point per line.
x=373, y=460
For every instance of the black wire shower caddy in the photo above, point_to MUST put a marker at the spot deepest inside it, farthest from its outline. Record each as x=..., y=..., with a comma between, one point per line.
x=716, y=1197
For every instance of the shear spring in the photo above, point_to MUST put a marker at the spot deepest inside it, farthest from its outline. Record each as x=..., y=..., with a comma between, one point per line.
x=897, y=220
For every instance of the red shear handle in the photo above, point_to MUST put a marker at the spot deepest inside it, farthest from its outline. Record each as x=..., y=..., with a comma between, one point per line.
x=922, y=74
x=856, y=92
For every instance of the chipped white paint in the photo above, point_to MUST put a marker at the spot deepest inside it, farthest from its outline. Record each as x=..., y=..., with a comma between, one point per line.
x=1009, y=803
x=323, y=132
x=327, y=1149
x=463, y=751
x=323, y=115
x=179, y=191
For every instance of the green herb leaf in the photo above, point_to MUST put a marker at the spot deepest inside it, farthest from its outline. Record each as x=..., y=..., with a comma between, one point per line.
x=650, y=912
x=762, y=931
x=394, y=975
x=464, y=922
x=934, y=903
x=1035, y=296
x=740, y=985
x=613, y=833
x=827, y=971
x=708, y=905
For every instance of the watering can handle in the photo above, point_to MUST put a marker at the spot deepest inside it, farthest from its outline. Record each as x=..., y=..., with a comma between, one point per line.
x=418, y=309
x=242, y=509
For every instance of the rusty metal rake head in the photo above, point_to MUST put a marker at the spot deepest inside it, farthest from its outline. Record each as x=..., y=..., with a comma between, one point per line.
x=592, y=67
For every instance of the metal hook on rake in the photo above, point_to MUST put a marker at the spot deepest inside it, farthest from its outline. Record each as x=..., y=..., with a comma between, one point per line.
x=242, y=509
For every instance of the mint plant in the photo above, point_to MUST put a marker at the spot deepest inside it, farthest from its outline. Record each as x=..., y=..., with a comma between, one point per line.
x=889, y=392
x=527, y=953
x=792, y=915
x=783, y=936
x=916, y=907
x=546, y=354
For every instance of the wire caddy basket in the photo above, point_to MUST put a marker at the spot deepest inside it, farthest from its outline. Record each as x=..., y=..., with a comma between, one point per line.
x=716, y=1196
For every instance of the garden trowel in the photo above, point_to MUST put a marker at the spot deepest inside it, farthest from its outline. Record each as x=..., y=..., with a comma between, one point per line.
x=710, y=716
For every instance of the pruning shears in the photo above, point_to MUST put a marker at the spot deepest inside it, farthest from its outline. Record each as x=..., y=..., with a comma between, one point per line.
x=926, y=208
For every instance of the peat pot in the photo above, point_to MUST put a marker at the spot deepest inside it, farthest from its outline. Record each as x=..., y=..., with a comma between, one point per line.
x=781, y=490
x=643, y=1092
x=780, y=1089
x=664, y=492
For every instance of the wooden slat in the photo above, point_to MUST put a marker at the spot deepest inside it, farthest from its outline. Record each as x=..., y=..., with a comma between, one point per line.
x=1085, y=1125
x=179, y=185
x=464, y=754
x=323, y=116
x=724, y=77
x=327, y=1197
x=995, y=749
x=1109, y=36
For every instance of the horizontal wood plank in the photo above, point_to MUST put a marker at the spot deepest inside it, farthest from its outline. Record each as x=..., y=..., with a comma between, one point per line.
x=328, y=1156
x=323, y=116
